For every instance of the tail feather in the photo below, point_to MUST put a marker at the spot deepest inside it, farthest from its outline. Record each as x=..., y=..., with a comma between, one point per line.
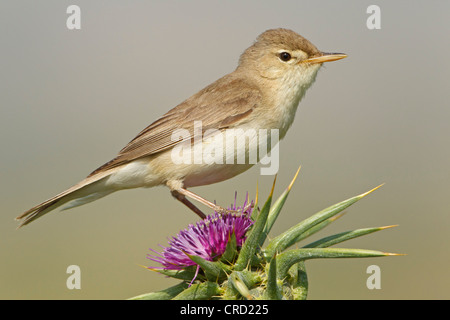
x=85, y=191
x=83, y=200
x=40, y=210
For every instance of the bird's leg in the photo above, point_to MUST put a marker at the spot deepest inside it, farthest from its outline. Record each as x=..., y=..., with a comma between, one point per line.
x=203, y=201
x=187, y=203
x=209, y=204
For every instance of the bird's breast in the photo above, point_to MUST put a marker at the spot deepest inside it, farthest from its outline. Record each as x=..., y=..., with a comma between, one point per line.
x=288, y=94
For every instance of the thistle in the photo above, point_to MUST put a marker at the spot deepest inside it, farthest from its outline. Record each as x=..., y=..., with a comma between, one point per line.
x=224, y=257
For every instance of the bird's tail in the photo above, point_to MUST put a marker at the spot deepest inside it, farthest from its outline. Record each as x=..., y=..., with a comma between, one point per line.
x=90, y=189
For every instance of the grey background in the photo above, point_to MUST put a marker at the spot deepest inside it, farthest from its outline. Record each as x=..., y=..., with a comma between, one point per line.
x=70, y=100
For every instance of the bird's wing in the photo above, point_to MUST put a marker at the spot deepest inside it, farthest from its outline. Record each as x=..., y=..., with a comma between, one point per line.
x=226, y=102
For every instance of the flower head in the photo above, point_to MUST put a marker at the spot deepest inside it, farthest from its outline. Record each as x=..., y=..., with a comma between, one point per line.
x=207, y=239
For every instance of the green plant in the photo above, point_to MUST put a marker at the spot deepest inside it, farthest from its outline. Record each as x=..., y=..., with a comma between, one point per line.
x=244, y=268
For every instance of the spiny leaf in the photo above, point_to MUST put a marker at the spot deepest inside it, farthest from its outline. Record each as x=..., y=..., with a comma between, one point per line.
x=240, y=285
x=214, y=270
x=199, y=291
x=165, y=294
x=251, y=245
x=272, y=291
x=186, y=274
x=300, y=287
x=317, y=228
x=249, y=278
x=255, y=206
x=230, y=250
x=343, y=236
x=288, y=258
x=288, y=238
x=277, y=206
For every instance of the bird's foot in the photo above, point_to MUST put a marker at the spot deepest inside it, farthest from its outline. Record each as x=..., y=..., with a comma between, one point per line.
x=221, y=210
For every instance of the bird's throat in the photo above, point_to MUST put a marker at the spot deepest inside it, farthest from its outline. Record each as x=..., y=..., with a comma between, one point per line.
x=290, y=92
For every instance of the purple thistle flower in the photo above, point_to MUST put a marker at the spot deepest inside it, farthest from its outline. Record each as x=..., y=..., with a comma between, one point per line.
x=207, y=238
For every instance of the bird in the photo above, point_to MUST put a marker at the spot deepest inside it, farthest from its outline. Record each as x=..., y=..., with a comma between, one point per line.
x=263, y=92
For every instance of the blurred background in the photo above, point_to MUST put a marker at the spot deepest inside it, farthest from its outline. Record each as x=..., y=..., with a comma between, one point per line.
x=71, y=99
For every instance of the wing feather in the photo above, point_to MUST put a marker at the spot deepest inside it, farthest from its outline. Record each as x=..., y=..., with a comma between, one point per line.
x=228, y=101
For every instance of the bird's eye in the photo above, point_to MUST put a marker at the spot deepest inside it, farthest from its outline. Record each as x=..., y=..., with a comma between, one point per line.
x=285, y=56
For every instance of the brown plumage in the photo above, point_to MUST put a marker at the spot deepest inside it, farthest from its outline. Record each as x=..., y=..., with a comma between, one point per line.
x=218, y=106
x=263, y=92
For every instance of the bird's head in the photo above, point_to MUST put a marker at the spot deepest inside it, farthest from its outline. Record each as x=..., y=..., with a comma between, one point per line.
x=283, y=55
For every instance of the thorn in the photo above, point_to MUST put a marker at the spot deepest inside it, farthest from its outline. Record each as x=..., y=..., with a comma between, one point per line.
x=387, y=227
x=273, y=186
x=295, y=177
x=149, y=268
x=394, y=254
x=241, y=287
x=370, y=191
x=334, y=218
x=256, y=196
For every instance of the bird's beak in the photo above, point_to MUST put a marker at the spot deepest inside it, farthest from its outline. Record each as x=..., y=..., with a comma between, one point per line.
x=326, y=57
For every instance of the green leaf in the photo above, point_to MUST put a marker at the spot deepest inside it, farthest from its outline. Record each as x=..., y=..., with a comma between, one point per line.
x=165, y=294
x=239, y=285
x=255, y=205
x=230, y=250
x=251, y=244
x=277, y=206
x=186, y=274
x=343, y=236
x=272, y=291
x=300, y=288
x=214, y=270
x=201, y=291
x=234, y=289
x=289, y=258
x=317, y=228
x=288, y=238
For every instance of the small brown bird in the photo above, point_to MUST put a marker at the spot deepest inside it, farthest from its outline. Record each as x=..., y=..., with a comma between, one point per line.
x=262, y=93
